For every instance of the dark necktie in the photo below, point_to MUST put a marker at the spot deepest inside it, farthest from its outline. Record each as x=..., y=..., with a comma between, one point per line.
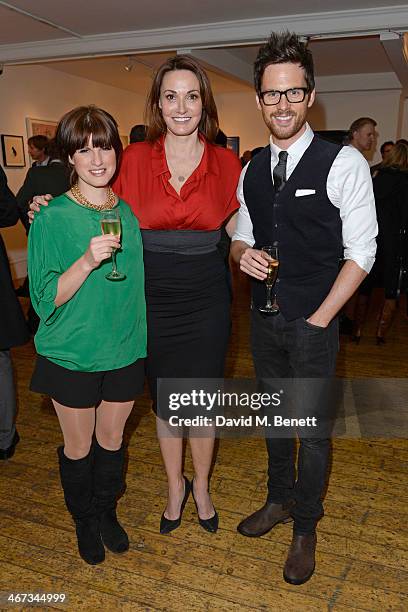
x=279, y=171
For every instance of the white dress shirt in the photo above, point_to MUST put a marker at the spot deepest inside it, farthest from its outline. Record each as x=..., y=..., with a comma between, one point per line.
x=349, y=187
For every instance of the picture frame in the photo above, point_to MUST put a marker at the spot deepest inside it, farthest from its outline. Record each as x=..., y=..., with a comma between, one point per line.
x=13, y=151
x=233, y=144
x=124, y=139
x=43, y=127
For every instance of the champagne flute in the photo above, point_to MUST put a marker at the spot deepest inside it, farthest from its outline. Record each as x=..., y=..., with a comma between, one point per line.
x=110, y=223
x=272, y=255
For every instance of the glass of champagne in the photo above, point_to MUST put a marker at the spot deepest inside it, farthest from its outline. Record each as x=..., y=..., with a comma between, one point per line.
x=110, y=223
x=272, y=255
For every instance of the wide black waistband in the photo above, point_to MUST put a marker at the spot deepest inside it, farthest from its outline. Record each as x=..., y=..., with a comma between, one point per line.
x=184, y=242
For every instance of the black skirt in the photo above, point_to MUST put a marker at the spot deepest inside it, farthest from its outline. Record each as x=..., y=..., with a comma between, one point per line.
x=188, y=316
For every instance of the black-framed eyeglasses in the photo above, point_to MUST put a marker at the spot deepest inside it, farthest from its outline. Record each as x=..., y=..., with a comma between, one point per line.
x=293, y=95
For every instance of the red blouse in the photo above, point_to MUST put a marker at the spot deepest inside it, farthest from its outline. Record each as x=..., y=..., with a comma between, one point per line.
x=206, y=199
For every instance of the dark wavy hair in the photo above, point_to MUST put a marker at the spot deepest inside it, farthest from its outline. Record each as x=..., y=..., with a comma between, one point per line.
x=208, y=125
x=75, y=128
x=282, y=48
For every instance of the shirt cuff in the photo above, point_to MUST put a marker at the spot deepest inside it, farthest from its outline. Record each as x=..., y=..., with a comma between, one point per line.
x=365, y=262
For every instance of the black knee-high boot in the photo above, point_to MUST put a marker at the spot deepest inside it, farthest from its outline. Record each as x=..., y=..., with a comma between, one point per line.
x=76, y=480
x=108, y=484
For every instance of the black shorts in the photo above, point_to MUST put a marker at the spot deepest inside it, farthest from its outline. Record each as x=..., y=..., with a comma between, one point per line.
x=86, y=389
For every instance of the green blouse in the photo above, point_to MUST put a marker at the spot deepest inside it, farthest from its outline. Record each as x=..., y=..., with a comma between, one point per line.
x=103, y=326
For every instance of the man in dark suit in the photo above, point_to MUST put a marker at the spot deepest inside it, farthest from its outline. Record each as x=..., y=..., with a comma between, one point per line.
x=52, y=178
x=13, y=329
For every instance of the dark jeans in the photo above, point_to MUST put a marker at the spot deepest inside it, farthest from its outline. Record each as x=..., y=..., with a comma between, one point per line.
x=296, y=349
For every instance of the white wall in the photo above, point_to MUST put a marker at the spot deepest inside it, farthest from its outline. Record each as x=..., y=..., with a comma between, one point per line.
x=239, y=116
x=44, y=93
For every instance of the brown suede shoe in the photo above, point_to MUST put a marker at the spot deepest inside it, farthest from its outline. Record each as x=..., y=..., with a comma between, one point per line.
x=262, y=521
x=300, y=564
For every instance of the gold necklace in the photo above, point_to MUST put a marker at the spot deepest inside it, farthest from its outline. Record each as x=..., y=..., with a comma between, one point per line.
x=83, y=201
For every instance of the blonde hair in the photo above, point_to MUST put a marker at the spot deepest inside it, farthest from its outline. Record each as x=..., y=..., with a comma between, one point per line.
x=397, y=157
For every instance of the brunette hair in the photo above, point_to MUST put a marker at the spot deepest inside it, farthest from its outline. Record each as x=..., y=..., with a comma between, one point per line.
x=386, y=144
x=208, y=125
x=397, y=157
x=358, y=124
x=39, y=141
x=282, y=48
x=75, y=128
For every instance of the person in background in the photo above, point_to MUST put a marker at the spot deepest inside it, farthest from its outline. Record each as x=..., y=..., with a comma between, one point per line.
x=245, y=157
x=390, y=183
x=13, y=328
x=361, y=134
x=385, y=150
x=92, y=335
x=138, y=133
x=37, y=148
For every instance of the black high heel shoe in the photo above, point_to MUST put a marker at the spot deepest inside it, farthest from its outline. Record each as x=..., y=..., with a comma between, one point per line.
x=167, y=525
x=210, y=524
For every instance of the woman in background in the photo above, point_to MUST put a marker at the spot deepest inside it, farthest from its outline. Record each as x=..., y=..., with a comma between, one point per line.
x=390, y=184
x=92, y=335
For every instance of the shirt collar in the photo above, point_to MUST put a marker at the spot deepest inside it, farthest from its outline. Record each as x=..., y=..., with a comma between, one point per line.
x=297, y=149
x=209, y=162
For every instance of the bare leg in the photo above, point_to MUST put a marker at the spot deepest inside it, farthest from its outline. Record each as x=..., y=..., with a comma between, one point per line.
x=202, y=450
x=77, y=426
x=111, y=419
x=172, y=452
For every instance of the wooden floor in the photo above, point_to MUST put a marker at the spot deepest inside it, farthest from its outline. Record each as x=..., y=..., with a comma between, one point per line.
x=362, y=559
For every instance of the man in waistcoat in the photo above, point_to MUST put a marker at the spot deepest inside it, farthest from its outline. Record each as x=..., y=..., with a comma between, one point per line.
x=308, y=197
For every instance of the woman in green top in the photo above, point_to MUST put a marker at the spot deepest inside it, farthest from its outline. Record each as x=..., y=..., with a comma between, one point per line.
x=92, y=335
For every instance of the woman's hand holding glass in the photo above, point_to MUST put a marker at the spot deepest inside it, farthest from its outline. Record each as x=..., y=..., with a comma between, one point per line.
x=100, y=248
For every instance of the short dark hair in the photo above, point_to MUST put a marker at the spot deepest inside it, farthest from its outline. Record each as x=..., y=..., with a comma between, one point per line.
x=76, y=126
x=208, y=125
x=386, y=144
x=282, y=48
x=221, y=139
x=138, y=133
x=358, y=124
x=39, y=141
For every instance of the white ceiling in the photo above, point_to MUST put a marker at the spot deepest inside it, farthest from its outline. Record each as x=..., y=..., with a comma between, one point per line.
x=75, y=35
x=104, y=16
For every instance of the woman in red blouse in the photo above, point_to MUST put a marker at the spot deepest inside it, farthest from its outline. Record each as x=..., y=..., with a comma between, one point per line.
x=182, y=189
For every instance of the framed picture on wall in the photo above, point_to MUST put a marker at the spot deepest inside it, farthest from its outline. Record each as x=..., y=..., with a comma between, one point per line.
x=124, y=139
x=43, y=127
x=233, y=144
x=13, y=151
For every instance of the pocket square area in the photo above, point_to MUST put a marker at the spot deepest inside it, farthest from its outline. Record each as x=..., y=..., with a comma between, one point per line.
x=304, y=192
